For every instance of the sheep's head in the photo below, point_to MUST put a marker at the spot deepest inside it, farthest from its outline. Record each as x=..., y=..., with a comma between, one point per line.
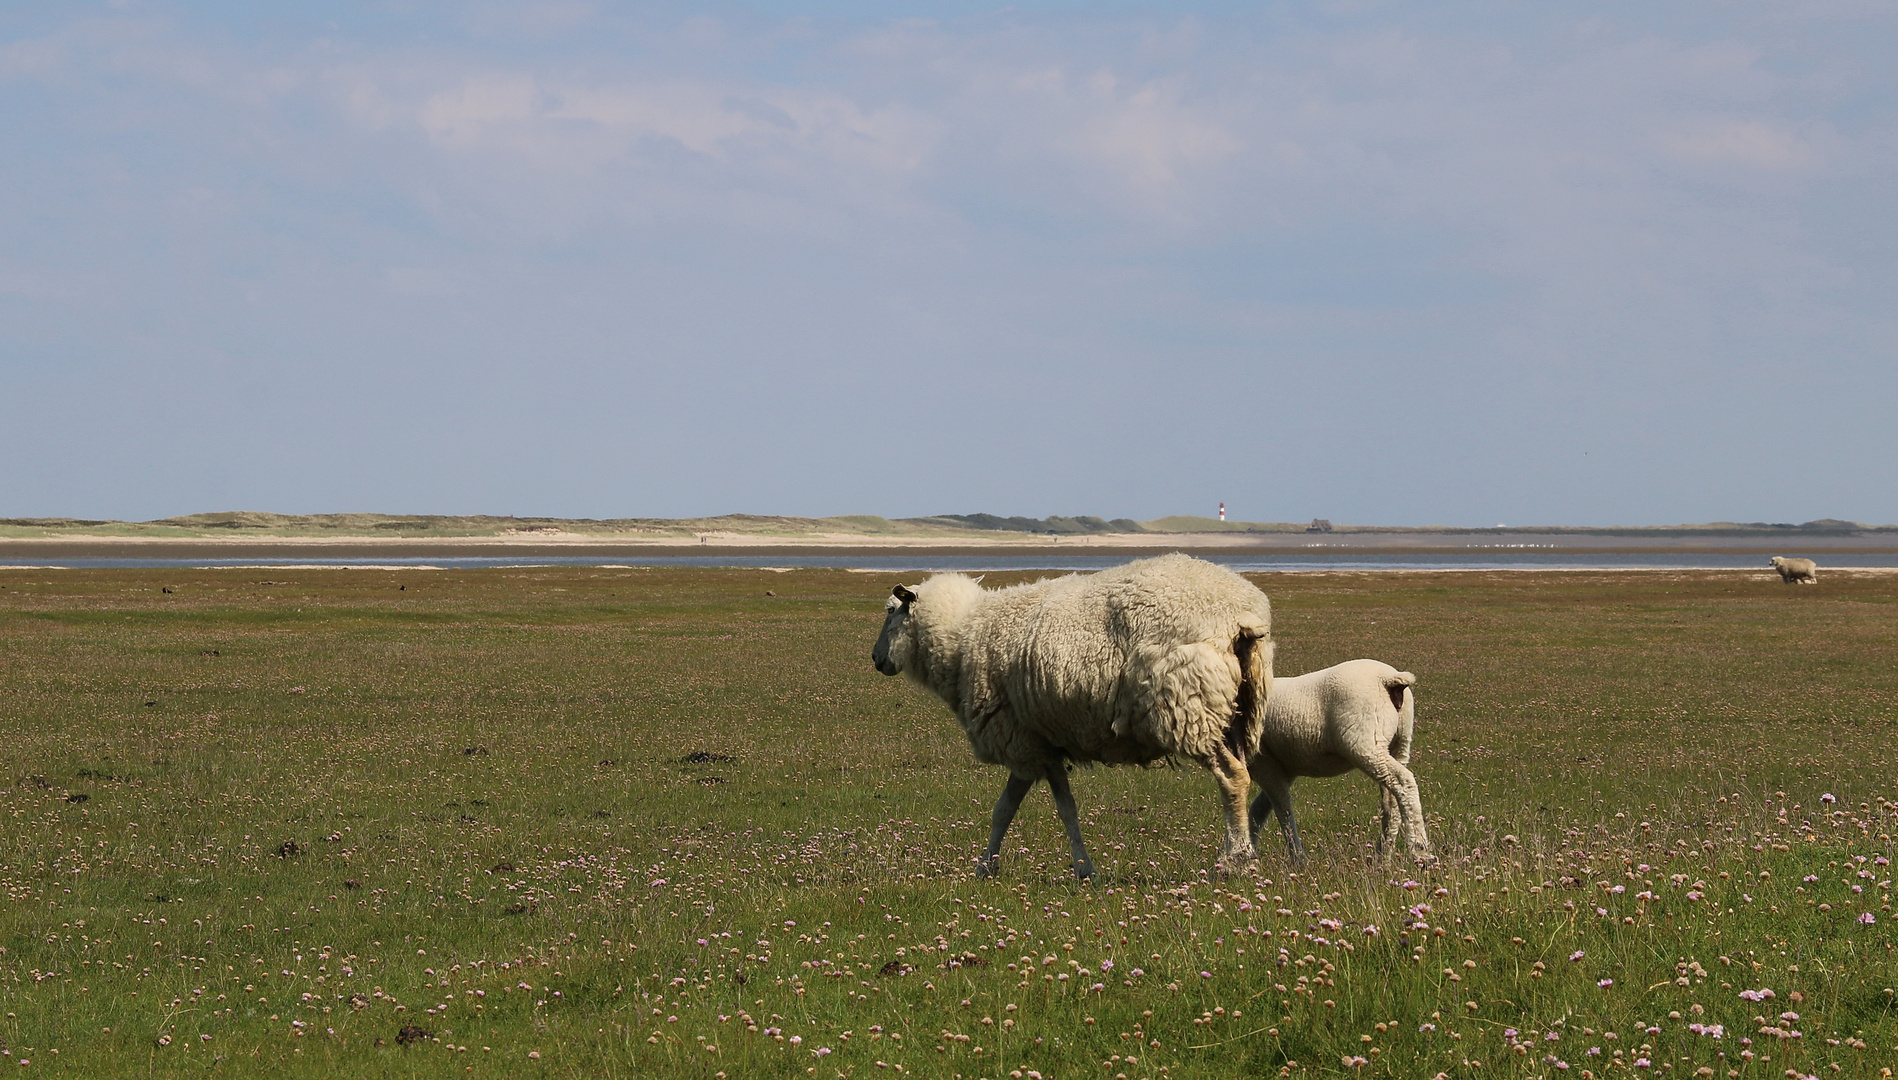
x=898, y=639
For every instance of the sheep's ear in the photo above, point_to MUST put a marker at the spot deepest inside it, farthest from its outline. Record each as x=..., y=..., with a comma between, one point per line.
x=903, y=594
x=979, y=577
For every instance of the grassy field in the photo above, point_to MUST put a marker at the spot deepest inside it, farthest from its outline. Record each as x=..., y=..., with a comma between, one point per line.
x=596, y=822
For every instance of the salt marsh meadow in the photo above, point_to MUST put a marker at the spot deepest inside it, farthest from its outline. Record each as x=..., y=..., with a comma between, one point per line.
x=670, y=823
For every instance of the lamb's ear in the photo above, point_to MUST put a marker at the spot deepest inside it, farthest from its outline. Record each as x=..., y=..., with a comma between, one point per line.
x=979, y=577
x=903, y=594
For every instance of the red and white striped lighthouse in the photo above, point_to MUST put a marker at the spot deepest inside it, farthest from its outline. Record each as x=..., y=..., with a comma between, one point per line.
x=1222, y=511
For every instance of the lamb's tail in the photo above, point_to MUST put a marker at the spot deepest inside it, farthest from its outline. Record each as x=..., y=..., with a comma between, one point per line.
x=1395, y=684
x=1253, y=648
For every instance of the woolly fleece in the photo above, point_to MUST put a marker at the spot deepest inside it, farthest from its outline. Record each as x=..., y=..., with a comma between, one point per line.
x=1796, y=571
x=1356, y=715
x=1126, y=666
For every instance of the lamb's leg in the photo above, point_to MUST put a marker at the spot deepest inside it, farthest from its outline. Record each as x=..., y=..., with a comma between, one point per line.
x=1070, y=819
x=1012, y=794
x=1390, y=811
x=1400, y=785
x=1261, y=810
x=1235, y=782
x=1390, y=819
x=1277, y=787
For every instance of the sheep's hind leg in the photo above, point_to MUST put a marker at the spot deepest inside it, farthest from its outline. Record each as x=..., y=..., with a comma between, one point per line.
x=1235, y=782
x=1012, y=794
x=1070, y=819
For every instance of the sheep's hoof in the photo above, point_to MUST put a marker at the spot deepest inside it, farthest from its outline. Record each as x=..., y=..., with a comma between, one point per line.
x=1084, y=870
x=1238, y=863
x=986, y=868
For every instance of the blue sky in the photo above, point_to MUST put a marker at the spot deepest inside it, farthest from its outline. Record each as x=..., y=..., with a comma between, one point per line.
x=1385, y=263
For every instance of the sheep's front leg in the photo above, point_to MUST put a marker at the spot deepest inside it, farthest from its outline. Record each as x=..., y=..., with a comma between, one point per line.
x=1235, y=783
x=1070, y=819
x=1012, y=794
x=1276, y=786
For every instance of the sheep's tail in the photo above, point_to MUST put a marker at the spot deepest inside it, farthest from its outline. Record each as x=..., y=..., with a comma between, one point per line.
x=1253, y=648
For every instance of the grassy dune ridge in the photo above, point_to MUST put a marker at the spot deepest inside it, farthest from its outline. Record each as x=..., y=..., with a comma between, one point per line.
x=613, y=822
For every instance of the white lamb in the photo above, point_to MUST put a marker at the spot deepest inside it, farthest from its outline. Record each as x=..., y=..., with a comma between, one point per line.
x=1800, y=571
x=1357, y=715
x=1164, y=657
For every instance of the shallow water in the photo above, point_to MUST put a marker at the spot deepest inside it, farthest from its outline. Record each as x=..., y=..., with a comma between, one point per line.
x=1250, y=562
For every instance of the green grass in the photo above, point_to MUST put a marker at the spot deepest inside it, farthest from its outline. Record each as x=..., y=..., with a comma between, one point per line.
x=660, y=823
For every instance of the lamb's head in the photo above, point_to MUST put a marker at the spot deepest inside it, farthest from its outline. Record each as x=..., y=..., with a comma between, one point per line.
x=898, y=640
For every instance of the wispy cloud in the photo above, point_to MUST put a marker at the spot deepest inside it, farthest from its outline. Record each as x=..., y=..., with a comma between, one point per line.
x=1535, y=230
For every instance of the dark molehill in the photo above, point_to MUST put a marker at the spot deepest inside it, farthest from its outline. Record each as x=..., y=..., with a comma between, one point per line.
x=504, y=867
x=352, y=883
x=288, y=848
x=708, y=781
x=78, y=797
x=705, y=757
x=473, y=751
x=412, y=1033
x=895, y=968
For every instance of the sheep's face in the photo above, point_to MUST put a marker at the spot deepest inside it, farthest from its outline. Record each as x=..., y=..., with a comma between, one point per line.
x=894, y=644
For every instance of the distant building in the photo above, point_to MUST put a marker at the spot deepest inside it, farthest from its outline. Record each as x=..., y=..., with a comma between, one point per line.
x=1319, y=525
x=1222, y=511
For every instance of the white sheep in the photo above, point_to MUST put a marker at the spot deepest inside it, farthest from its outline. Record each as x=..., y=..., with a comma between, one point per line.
x=1800, y=571
x=1357, y=715
x=1164, y=657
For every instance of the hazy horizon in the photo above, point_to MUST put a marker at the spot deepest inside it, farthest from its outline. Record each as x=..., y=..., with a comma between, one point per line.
x=1381, y=263
x=1814, y=524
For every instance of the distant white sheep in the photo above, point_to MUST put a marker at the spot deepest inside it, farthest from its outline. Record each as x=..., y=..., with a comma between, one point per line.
x=1164, y=657
x=1357, y=715
x=1796, y=571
